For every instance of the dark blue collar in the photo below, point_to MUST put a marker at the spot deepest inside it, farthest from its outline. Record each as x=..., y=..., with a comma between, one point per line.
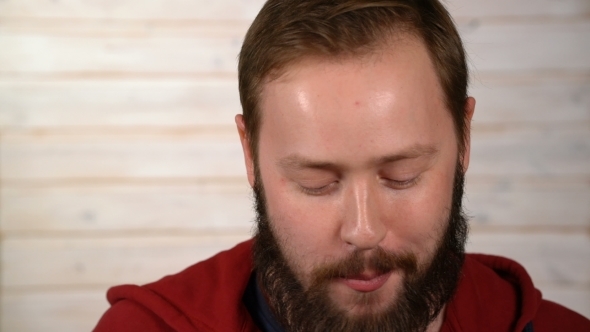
x=258, y=307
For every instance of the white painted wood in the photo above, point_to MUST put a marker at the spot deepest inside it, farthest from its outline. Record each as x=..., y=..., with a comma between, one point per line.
x=247, y=9
x=185, y=207
x=522, y=152
x=509, y=203
x=133, y=9
x=115, y=102
x=52, y=310
x=147, y=49
x=534, y=151
x=228, y=206
x=510, y=8
x=28, y=262
x=181, y=154
x=522, y=47
x=188, y=102
x=558, y=259
x=130, y=49
x=533, y=102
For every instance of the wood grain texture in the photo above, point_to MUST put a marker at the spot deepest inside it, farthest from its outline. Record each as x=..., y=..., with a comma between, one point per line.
x=133, y=9
x=190, y=154
x=537, y=151
x=52, y=310
x=213, y=207
x=247, y=9
x=130, y=49
x=114, y=102
x=522, y=47
x=79, y=261
x=492, y=47
x=538, y=101
x=516, y=9
x=510, y=203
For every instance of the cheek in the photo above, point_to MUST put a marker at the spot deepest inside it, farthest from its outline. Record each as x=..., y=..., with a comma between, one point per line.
x=305, y=228
x=422, y=213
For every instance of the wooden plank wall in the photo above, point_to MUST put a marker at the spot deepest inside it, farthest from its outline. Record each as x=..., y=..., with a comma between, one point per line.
x=120, y=164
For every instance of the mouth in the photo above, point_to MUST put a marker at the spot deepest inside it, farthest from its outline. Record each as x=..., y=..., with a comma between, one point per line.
x=366, y=281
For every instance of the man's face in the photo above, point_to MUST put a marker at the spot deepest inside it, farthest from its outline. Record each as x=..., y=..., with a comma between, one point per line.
x=357, y=158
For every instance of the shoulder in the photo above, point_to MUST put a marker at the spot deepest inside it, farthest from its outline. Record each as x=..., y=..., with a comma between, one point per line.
x=203, y=297
x=127, y=315
x=555, y=317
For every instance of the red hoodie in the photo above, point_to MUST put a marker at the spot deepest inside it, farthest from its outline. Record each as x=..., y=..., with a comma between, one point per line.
x=495, y=294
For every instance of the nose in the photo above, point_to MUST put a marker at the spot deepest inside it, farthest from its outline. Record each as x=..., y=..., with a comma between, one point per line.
x=362, y=226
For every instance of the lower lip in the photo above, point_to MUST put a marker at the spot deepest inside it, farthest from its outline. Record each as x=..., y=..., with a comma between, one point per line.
x=368, y=285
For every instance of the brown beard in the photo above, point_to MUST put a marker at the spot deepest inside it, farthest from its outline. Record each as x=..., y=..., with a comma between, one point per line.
x=424, y=292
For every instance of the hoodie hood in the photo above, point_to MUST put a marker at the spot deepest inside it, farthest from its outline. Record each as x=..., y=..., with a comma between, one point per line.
x=204, y=297
x=494, y=294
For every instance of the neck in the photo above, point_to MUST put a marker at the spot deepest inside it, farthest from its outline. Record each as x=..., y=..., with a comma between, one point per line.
x=437, y=323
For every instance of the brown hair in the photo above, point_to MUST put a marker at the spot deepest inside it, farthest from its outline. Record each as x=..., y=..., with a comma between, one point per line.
x=286, y=31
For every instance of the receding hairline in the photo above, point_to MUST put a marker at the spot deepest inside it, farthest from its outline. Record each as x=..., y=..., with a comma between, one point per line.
x=368, y=52
x=387, y=45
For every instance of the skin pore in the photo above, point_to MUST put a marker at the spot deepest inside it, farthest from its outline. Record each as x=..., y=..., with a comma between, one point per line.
x=357, y=158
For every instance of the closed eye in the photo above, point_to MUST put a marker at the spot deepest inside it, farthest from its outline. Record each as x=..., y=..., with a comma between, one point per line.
x=400, y=184
x=319, y=191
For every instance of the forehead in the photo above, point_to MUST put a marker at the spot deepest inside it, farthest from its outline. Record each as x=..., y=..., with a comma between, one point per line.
x=388, y=99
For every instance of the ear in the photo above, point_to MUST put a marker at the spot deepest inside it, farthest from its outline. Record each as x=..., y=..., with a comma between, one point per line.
x=246, y=148
x=469, y=110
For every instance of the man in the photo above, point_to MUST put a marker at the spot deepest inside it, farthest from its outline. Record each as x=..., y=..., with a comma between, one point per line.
x=355, y=132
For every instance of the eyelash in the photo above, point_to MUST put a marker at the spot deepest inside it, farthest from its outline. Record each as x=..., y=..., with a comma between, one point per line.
x=318, y=191
x=398, y=185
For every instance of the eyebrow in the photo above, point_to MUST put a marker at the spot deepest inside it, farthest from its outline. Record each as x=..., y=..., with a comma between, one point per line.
x=299, y=162
x=413, y=152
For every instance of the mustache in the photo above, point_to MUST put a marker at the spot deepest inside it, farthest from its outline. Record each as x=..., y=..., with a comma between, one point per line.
x=379, y=260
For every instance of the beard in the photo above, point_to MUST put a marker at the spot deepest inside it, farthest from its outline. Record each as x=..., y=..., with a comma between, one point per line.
x=423, y=293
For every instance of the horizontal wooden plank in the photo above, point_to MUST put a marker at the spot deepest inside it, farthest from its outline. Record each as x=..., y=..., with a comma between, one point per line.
x=103, y=103
x=209, y=207
x=189, y=102
x=559, y=259
x=182, y=50
x=130, y=49
x=52, y=310
x=102, y=262
x=539, y=151
x=180, y=154
x=509, y=8
x=221, y=206
x=199, y=154
x=555, y=46
x=510, y=203
x=74, y=311
x=247, y=9
x=527, y=47
x=133, y=9
x=532, y=102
